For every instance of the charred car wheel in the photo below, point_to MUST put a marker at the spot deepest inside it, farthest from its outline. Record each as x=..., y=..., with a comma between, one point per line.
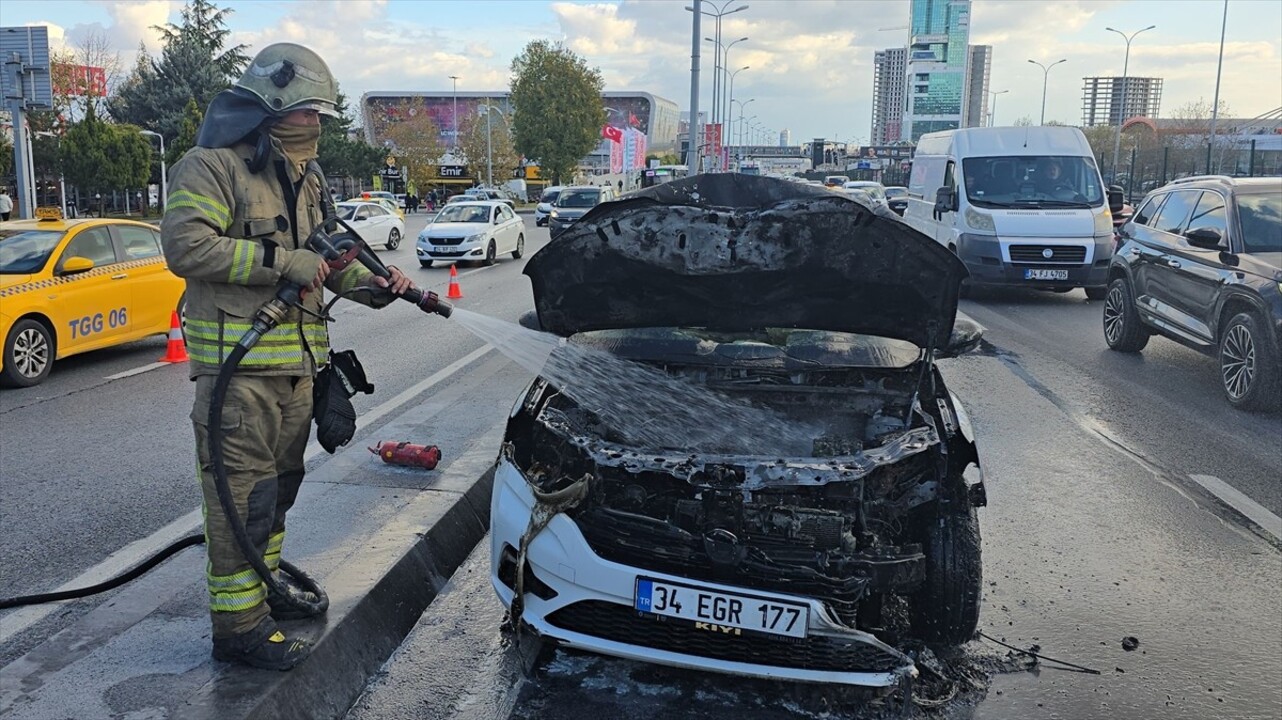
x=946, y=608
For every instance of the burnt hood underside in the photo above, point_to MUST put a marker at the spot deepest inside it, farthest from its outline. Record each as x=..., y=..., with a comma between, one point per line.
x=737, y=253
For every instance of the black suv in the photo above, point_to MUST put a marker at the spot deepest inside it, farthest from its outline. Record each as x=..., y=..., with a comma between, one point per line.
x=1201, y=263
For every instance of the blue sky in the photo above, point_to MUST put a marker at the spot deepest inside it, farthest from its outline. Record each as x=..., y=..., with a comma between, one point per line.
x=810, y=61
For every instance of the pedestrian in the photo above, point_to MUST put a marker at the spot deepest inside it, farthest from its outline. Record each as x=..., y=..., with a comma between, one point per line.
x=6, y=205
x=242, y=204
x=413, y=202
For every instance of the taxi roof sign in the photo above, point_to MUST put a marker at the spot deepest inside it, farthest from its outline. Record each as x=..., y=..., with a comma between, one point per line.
x=48, y=213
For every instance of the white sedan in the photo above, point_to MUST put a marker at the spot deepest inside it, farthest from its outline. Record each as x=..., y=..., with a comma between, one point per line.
x=373, y=222
x=480, y=230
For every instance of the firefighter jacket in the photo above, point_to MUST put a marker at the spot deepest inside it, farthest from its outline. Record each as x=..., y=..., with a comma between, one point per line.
x=227, y=231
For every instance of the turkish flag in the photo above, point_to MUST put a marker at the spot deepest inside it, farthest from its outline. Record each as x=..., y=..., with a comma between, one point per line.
x=612, y=133
x=632, y=120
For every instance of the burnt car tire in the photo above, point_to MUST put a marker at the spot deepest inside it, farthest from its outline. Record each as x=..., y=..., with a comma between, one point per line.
x=1248, y=364
x=945, y=611
x=1123, y=329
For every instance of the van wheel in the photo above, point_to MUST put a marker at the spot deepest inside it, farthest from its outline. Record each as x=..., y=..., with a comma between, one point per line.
x=1123, y=329
x=28, y=354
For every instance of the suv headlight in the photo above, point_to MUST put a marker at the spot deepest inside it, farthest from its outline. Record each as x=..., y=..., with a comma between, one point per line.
x=982, y=222
x=475, y=238
x=555, y=213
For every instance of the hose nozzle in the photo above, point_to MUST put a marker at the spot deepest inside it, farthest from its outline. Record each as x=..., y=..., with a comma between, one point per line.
x=431, y=302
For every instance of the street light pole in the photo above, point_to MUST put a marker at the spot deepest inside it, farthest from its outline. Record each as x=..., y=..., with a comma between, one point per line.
x=992, y=112
x=731, y=94
x=725, y=68
x=1215, y=104
x=455, y=79
x=714, y=111
x=1046, y=71
x=693, y=130
x=1121, y=110
x=164, y=180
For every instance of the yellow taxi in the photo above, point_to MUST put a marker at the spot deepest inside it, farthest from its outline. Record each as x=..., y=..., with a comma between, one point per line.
x=69, y=286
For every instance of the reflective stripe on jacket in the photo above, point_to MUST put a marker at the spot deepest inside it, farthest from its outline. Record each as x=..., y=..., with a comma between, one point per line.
x=224, y=230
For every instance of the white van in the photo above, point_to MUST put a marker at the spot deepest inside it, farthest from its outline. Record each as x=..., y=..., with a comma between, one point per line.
x=1019, y=205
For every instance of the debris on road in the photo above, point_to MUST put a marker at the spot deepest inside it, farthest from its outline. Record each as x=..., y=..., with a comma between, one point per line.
x=1130, y=642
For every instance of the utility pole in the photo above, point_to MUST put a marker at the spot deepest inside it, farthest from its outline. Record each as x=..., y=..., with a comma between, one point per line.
x=1121, y=111
x=1215, y=104
x=1046, y=71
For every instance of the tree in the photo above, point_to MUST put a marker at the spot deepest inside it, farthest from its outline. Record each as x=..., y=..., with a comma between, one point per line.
x=473, y=136
x=188, y=129
x=557, y=115
x=100, y=157
x=194, y=65
x=1025, y=121
x=416, y=143
x=340, y=154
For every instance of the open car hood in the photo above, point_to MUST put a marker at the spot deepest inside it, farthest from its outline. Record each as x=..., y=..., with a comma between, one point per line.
x=736, y=253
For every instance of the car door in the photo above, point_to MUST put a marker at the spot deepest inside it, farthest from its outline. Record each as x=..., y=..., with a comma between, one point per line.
x=511, y=227
x=378, y=224
x=361, y=221
x=1197, y=273
x=92, y=308
x=1140, y=248
x=1158, y=278
x=944, y=232
x=154, y=290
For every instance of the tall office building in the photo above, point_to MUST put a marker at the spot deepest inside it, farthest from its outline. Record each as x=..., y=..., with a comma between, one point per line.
x=785, y=137
x=938, y=57
x=1102, y=99
x=888, y=73
x=979, y=63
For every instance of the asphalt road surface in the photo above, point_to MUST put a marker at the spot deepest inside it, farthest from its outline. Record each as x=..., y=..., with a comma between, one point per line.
x=1099, y=524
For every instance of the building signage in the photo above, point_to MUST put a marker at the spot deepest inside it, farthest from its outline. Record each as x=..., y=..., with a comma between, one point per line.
x=453, y=171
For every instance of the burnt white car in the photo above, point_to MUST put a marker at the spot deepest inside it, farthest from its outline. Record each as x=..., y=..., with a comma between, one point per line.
x=766, y=561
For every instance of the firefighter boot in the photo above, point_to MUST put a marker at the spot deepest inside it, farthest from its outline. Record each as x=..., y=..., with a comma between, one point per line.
x=283, y=610
x=263, y=647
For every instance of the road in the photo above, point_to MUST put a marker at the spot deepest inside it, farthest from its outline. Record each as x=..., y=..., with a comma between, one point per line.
x=1099, y=526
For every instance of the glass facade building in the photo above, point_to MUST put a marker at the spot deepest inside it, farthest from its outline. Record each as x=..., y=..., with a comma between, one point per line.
x=938, y=72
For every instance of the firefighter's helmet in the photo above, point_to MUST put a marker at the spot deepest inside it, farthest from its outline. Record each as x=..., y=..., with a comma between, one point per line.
x=286, y=77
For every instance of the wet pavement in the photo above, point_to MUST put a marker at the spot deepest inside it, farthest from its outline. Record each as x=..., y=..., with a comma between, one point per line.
x=1094, y=535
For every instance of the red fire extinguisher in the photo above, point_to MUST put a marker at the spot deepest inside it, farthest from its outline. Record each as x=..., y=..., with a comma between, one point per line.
x=408, y=454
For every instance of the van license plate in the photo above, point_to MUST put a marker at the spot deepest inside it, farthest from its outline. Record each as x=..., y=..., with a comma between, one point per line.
x=1045, y=274
x=722, y=612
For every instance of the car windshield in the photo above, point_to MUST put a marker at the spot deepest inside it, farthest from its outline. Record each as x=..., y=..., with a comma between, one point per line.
x=346, y=212
x=550, y=196
x=895, y=192
x=1260, y=216
x=26, y=251
x=578, y=198
x=874, y=190
x=464, y=214
x=1032, y=182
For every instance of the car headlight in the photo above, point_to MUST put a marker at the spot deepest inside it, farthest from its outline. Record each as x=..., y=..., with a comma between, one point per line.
x=556, y=214
x=1104, y=223
x=475, y=238
x=982, y=222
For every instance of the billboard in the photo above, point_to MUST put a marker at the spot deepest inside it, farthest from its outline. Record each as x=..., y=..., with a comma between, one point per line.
x=79, y=80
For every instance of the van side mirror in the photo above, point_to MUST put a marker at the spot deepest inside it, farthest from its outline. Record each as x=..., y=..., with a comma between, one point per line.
x=945, y=201
x=1115, y=200
x=1207, y=238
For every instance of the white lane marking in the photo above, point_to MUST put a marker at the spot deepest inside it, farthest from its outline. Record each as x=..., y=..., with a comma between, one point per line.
x=137, y=371
x=134, y=553
x=1235, y=499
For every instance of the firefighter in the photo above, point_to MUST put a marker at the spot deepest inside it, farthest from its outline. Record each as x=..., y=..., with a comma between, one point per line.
x=239, y=211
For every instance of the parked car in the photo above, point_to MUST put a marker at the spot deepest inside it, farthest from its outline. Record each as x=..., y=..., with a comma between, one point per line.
x=374, y=223
x=1201, y=264
x=71, y=286
x=544, y=209
x=492, y=194
x=761, y=560
x=382, y=198
x=897, y=199
x=472, y=230
x=573, y=202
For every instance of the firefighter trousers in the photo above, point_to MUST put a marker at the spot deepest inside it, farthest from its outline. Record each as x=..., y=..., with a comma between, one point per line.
x=266, y=423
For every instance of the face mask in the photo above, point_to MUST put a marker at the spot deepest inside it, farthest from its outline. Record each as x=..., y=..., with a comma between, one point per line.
x=298, y=141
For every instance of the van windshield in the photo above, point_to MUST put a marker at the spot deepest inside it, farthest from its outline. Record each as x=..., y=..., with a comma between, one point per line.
x=578, y=198
x=1032, y=182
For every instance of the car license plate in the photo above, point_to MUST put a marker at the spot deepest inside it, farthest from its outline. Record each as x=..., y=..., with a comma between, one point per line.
x=1038, y=274
x=716, y=611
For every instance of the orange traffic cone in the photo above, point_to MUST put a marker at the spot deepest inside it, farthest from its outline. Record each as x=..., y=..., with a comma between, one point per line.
x=455, y=293
x=177, y=351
